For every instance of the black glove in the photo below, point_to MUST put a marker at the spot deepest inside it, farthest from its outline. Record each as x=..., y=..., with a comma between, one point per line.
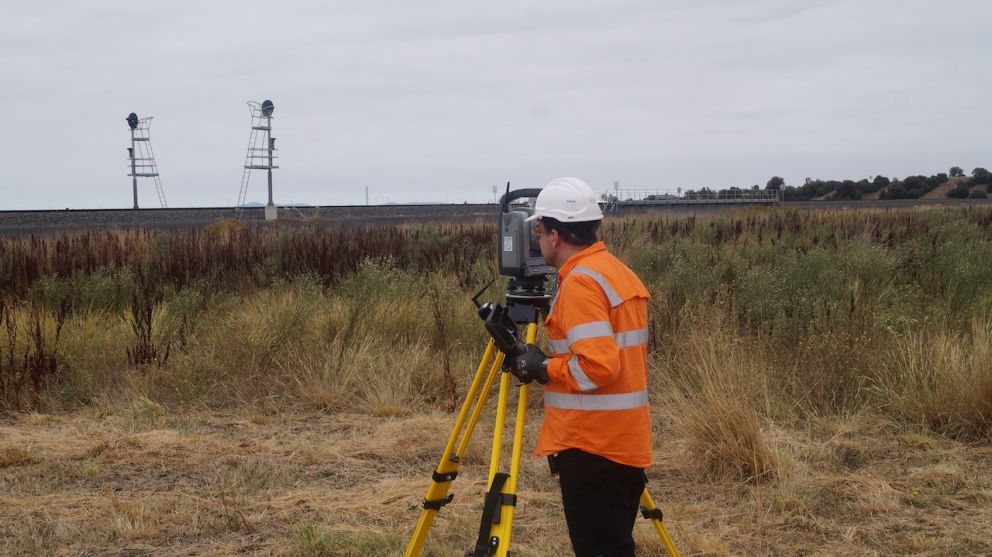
x=531, y=365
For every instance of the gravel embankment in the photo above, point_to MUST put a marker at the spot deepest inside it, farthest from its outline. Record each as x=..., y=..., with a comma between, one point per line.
x=25, y=222
x=29, y=222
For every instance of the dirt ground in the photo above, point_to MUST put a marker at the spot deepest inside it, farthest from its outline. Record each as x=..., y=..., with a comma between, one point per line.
x=147, y=481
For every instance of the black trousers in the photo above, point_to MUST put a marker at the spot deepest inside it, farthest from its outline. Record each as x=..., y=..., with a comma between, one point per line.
x=601, y=499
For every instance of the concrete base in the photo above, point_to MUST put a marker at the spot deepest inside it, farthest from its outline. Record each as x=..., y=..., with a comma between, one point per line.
x=271, y=213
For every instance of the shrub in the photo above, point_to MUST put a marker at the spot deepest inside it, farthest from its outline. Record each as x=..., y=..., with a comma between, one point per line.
x=879, y=182
x=959, y=192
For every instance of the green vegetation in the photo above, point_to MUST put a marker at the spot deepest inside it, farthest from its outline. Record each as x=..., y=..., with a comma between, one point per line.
x=880, y=187
x=911, y=187
x=823, y=302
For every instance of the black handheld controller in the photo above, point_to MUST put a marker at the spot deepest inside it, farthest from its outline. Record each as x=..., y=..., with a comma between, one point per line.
x=499, y=325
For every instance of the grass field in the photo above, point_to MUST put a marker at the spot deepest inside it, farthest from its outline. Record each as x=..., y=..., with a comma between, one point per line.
x=821, y=383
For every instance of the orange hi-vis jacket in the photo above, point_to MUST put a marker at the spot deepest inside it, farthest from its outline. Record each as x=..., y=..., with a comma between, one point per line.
x=596, y=398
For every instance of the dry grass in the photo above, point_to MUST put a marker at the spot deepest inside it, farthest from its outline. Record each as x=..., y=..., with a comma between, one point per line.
x=15, y=456
x=714, y=400
x=943, y=381
x=305, y=482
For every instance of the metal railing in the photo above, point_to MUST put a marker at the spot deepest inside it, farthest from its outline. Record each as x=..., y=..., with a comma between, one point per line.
x=677, y=197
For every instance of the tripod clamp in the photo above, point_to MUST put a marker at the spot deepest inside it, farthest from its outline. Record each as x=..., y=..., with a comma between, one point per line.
x=442, y=477
x=436, y=504
x=652, y=514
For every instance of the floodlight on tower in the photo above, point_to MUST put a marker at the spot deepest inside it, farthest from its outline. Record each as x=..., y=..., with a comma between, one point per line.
x=261, y=153
x=141, y=156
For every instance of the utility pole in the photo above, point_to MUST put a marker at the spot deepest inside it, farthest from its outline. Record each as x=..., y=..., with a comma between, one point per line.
x=134, y=177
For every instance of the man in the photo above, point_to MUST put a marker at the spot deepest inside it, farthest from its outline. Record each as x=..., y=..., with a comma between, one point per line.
x=597, y=424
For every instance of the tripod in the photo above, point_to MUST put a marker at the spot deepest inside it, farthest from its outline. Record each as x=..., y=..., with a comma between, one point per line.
x=526, y=301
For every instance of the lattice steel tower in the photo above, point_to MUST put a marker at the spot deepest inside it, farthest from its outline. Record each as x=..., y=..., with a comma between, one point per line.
x=259, y=157
x=142, y=156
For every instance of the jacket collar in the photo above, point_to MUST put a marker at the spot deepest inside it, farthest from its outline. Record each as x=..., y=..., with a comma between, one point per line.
x=574, y=261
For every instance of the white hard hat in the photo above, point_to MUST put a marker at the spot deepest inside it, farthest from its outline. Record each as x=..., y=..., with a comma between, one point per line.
x=567, y=200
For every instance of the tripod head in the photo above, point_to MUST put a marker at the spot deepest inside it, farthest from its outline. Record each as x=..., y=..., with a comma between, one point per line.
x=526, y=301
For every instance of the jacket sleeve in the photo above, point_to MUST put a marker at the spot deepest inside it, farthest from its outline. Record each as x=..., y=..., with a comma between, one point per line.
x=584, y=312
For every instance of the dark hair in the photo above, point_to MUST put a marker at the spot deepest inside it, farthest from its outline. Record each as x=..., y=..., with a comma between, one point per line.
x=575, y=233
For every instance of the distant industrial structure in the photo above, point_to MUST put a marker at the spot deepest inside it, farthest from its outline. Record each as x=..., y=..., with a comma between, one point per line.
x=142, y=157
x=260, y=155
x=679, y=197
x=622, y=199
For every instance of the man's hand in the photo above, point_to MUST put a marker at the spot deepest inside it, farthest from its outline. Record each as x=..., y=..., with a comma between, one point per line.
x=532, y=365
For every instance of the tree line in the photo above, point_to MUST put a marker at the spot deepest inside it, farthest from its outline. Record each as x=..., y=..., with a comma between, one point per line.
x=977, y=186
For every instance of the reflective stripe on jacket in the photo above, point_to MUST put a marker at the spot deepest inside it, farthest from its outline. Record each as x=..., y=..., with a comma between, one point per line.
x=596, y=399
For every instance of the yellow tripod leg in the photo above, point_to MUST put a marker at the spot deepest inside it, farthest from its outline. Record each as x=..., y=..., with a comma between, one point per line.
x=495, y=451
x=649, y=509
x=501, y=531
x=447, y=468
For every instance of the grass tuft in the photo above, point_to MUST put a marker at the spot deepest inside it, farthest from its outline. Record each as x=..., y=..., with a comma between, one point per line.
x=713, y=402
x=942, y=381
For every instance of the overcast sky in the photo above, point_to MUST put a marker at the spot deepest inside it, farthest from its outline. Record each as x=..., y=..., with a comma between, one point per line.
x=441, y=100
